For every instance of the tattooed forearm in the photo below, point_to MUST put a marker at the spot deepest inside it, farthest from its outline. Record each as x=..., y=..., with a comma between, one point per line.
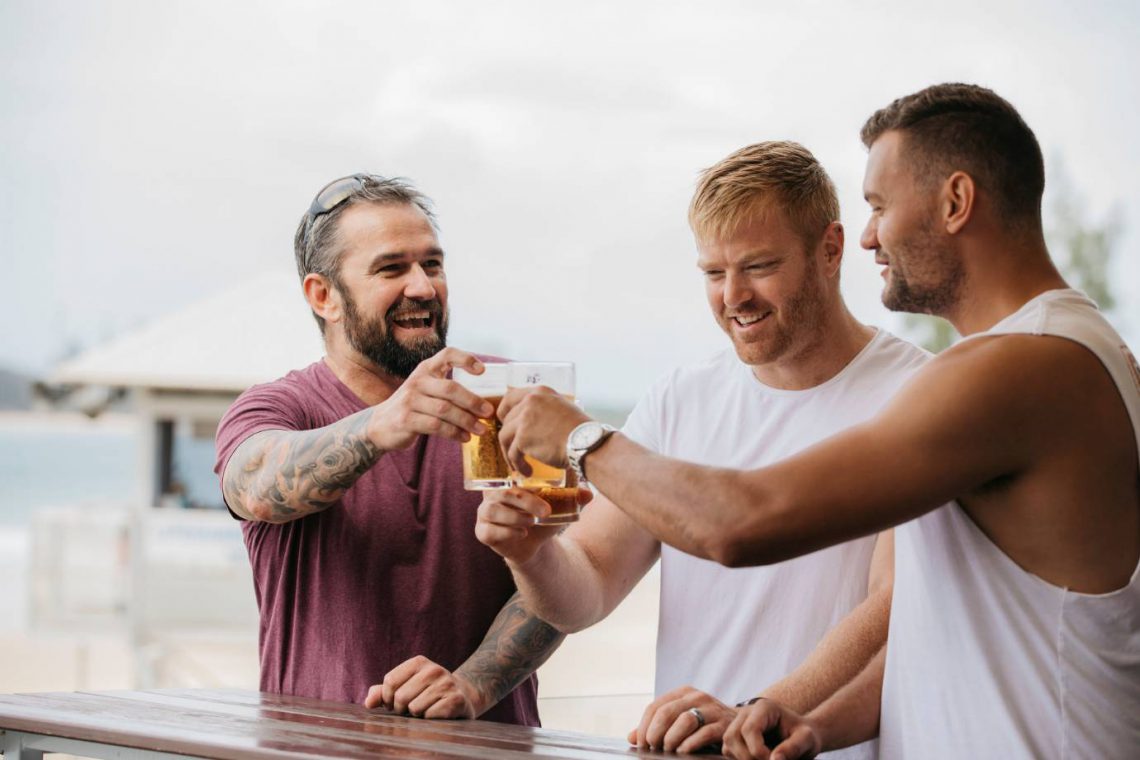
x=514, y=647
x=278, y=476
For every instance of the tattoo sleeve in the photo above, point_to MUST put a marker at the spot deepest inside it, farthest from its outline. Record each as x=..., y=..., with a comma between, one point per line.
x=515, y=646
x=279, y=475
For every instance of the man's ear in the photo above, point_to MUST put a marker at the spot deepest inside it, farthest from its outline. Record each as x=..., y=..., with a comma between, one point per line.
x=832, y=248
x=959, y=194
x=323, y=297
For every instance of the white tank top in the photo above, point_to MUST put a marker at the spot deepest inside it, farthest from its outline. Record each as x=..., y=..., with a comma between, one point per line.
x=987, y=660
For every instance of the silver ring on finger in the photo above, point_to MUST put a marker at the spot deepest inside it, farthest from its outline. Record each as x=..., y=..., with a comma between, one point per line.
x=699, y=716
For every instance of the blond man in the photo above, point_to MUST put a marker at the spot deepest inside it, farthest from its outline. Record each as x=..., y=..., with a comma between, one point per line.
x=801, y=368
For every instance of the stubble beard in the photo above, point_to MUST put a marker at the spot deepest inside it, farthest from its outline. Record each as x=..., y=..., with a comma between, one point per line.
x=800, y=316
x=932, y=283
x=373, y=338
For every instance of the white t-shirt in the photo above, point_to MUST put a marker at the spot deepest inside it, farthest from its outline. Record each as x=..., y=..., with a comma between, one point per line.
x=987, y=660
x=732, y=632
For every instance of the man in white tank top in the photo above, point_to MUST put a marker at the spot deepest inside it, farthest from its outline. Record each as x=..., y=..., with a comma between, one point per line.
x=802, y=369
x=1015, y=621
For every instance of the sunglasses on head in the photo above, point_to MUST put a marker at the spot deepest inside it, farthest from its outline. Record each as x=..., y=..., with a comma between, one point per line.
x=337, y=192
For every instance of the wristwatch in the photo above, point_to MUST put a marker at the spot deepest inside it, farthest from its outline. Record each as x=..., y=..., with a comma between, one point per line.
x=584, y=439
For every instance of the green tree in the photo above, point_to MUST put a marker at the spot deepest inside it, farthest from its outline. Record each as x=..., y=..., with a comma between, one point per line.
x=1083, y=249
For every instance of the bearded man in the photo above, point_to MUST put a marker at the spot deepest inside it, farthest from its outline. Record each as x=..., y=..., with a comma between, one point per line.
x=347, y=476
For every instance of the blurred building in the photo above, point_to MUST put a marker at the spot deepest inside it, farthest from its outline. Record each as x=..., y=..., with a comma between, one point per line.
x=154, y=590
x=163, y=567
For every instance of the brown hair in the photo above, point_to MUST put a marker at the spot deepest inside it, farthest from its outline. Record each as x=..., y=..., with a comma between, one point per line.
x=781, y=171
x=964, y=127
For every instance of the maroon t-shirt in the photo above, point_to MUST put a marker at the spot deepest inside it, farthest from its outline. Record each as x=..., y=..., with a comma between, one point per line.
x=391, y=571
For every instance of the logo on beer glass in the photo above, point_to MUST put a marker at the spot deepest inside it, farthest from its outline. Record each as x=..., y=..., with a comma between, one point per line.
x=554, y=485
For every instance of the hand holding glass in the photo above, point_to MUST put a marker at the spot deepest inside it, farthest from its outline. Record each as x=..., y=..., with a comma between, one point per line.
x=554, y=485
x=484, y=465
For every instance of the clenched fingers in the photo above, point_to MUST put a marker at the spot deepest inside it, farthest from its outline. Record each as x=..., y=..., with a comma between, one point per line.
x=744, y=738
x=375, y=697
x=415, y=686
x=440, y=698
x=669, y=724
x=536, y=422
x=401, y=675
x=637, y=735
x=801, y=743
x=449, y=705
x=767, y=724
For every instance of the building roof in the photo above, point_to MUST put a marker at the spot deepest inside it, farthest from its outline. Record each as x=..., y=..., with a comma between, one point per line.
x=254, y=332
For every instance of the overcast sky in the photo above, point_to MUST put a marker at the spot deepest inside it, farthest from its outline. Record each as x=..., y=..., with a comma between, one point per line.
x=153, y=153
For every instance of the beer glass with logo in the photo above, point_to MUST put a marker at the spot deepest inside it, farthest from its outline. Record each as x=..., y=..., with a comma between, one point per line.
x=556, y=486
x=484, y=465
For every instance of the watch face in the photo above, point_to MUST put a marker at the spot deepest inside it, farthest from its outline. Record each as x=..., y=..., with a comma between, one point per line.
x=585, y=435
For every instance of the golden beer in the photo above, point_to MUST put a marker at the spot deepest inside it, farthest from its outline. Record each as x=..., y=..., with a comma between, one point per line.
x=563, y=501
x=484, y=466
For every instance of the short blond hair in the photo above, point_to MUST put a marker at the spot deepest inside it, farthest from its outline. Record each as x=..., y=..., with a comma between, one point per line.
x=777, y=171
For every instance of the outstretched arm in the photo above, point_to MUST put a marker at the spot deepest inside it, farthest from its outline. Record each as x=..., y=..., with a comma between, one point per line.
x=282, y=475
x=960, y=423
x=515, y=646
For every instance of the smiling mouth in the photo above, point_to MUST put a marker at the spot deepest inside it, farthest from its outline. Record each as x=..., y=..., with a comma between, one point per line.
x=746, y=320
x=414, y=320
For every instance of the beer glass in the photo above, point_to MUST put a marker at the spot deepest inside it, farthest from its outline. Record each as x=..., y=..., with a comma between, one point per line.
x=563, y=501
x=484, y=465
x=559, y=376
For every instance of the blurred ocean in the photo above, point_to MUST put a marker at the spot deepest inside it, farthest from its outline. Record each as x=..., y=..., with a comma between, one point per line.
x=48, y=460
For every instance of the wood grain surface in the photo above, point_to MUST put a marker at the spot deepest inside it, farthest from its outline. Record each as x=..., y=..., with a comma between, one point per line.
x=242, y=725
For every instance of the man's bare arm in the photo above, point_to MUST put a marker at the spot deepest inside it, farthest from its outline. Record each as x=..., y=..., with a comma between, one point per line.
x=667, y=724
x=961, y=423
x=849, y=717
x=515, y=646
x=282, y=475
x=847, y=649
x=571, y=580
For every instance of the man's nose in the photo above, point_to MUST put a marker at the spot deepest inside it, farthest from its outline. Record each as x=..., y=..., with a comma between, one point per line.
x=418, y=285
x=736, y=291
x=870, y=238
